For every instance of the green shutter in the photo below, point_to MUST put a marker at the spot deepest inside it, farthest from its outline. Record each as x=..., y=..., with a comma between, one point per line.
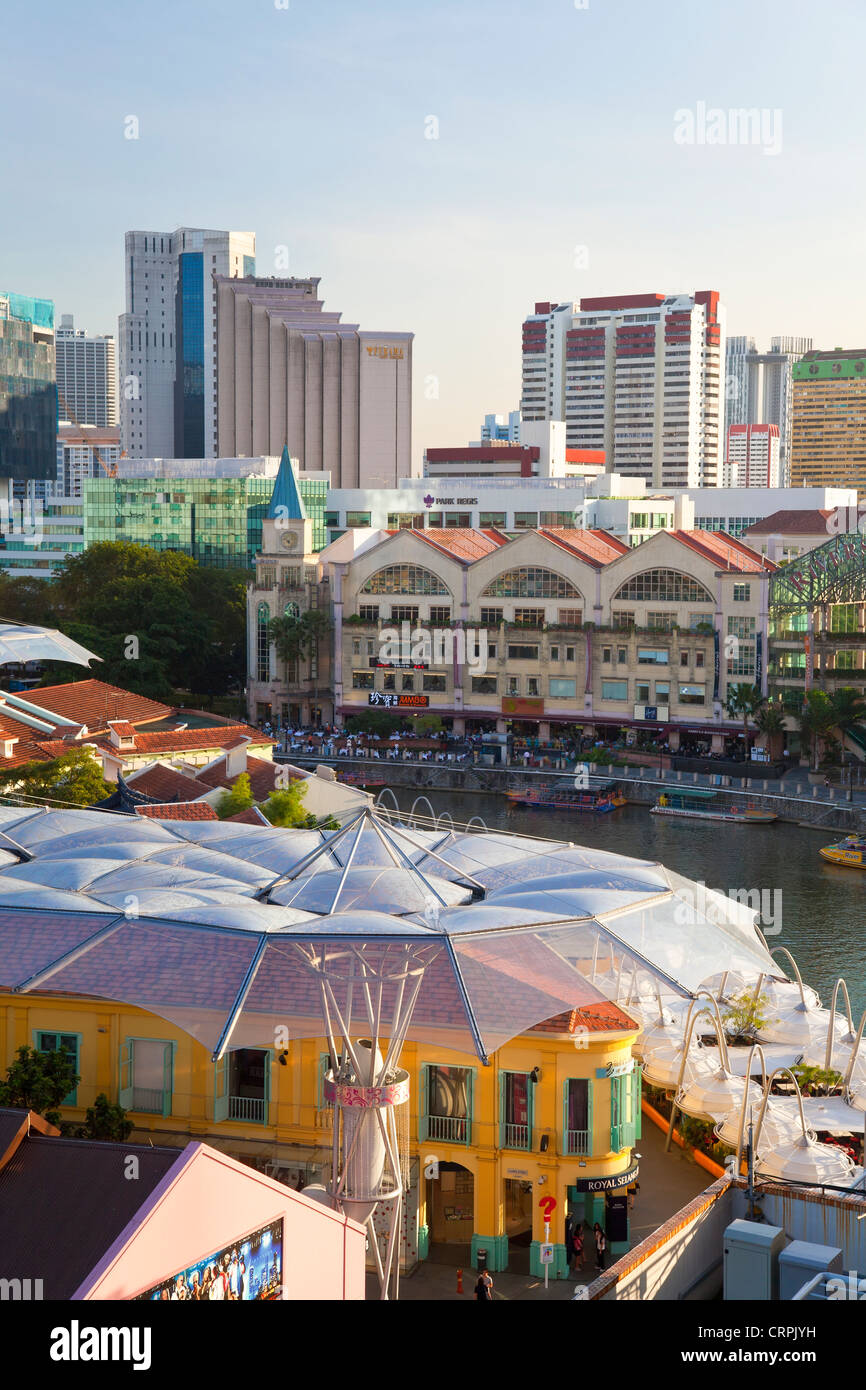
x=503, y=1083
x=267, y=1115
x=470, y=1093
x=124, y=1088
x=221, y=1088
x=563, y=1147
x=638, y=1113
x=589, y=1093
x=167, y=1077
x=423, y=1100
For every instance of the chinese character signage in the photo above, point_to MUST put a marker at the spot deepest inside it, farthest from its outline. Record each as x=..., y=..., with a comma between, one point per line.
x=386, y=700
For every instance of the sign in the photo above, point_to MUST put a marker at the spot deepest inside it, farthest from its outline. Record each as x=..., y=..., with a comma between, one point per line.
x=384, y=350
x=650, y=712
x=615, y=1069
x=529, y=706
x=546, y=1254
x=716, y=664
x=385, y=700
x=616, y=1216
x=606, y=1184
x=517, y=1172
x=759, y=659
x=548, y=1206
x=246, y=1270
x=430, y=501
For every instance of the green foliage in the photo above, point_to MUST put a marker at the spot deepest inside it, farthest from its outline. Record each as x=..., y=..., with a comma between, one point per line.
x=285, y=807
x=745, y=1016
x=106, y=1121
x=235, y=799
x=74, y=777
x=849, y=708
x=744, y=702
x=38, y=1081
x=429, y=724
x=376, y=722
x=817, y=719
x=816, y=1081
x=295, y=638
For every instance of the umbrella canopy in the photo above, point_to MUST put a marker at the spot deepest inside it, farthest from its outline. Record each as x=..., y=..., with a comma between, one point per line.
x=20, y=642
x=232, y=931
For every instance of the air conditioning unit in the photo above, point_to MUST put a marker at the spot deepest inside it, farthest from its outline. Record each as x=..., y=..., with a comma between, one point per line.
x=800, y=1262
x=751, y=1267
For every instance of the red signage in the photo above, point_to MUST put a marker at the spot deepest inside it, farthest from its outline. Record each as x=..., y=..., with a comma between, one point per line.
x=530, y=707
x=385, y=700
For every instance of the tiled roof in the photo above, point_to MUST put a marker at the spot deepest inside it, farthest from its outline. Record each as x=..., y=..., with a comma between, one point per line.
x=806, y=522
x=167, y=741
x=463, y=543
x=178, y=810
x=596, y=547
x=261, y=772
x=122, y=727
x=723, y=551
x=591, y=1018
x=94, y=703
x=164, y=783
x=251, y=816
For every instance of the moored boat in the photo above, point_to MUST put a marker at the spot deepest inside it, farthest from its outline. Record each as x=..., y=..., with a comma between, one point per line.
x=567, y=798
x=699, y=803
x=850, y=852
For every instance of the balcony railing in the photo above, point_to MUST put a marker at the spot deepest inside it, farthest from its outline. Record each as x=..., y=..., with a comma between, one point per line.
x=514, y=1136
x=148, y=1099
x=448, y=1129
x=578, y=1141
x=251, y=1109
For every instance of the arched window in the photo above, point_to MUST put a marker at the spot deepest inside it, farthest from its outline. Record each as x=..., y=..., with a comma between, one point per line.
x=404, y=579
x=664, y=586
x=263, y=643
x=530, y=582
x=292, y=610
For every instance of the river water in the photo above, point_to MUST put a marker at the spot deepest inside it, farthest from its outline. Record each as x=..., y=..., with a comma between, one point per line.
x=818, y=908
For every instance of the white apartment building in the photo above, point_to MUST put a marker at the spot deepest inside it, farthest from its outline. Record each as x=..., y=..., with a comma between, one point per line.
x=637, y=376
x=752, y=456
x=86, y=375
x=759, y=387
x=83, y=452
x=167, y=338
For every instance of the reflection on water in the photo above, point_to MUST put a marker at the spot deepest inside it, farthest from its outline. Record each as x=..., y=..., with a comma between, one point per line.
x=820, y=919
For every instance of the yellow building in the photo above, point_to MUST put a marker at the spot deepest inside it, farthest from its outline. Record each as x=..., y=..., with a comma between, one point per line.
x=555, y=1115
x=828, y=424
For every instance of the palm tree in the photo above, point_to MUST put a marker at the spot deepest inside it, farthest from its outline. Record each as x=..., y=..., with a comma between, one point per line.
x=770, y=721
x=849, y=709
x=817, y=719
x=743, y=702
x=296, y=637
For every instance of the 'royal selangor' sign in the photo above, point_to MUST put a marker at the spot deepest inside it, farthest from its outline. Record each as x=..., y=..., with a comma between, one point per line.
x=607, y=1184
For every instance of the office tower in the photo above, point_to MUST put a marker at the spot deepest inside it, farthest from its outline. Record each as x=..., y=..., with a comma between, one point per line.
x=638, y=376
x=28, y=389
x=86, y=376
x=84, y=451
x=752, y=456
x=167, y=338
x=501, y=428
x=291, y=373
x=828, y=423
x=759, y=387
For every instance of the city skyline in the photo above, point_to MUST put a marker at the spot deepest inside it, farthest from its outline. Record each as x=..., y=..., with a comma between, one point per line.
x=536, y=185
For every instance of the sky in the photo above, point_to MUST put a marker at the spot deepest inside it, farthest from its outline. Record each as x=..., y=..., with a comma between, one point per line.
x=443, y=164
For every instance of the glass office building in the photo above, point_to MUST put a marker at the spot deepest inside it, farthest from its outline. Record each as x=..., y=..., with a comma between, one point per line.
x=189, y=373
x=28, y=388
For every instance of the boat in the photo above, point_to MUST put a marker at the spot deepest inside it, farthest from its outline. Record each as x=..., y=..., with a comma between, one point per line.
x=699, y=803
x=851, y=852
x=565, y=798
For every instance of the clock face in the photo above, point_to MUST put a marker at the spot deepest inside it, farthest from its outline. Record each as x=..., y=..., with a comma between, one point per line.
x=288, y=540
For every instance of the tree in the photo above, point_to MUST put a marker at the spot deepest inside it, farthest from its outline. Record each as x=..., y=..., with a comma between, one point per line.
x=39, y=1081
x=75, y=777
x=745, y=1016
x=105, y=1121
x=237, y=798
x=298, y=637
x=770, y=721
x=377, y=722
x=286, y=806
x=743, y=702
x=429, y=724
x=849, y=709
x=817, y=719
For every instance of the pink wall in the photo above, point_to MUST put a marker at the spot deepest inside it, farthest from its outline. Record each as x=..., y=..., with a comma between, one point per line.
x=208, y=1200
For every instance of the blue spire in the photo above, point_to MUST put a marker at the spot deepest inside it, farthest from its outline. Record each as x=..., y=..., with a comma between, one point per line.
x=286, y=503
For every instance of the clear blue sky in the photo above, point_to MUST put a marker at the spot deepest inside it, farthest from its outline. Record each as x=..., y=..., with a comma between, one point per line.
x=556, y=124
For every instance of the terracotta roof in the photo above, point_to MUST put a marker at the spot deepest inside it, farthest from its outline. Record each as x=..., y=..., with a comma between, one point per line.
x=164, y=783
x=178, y=810
x=261, y=772
x=236, y=742
x=596, y=547
x=94, y=703
x=723, y=551
x=463, y=543
x=166, y=741
x=805, y=522
x=592, y=1018
x=122, y=727
x=251, y=816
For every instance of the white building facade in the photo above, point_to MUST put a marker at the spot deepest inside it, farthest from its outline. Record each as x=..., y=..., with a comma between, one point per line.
x=752, y=456
x=86, y=375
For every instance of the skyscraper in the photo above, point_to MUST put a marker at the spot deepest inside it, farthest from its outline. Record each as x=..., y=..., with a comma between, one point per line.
x=86, y=376
x=752, y=456
x=828, y=424
x=759, y=387
x=167, y=338
x=638, y=376
x=291, y=373
x=28, y=388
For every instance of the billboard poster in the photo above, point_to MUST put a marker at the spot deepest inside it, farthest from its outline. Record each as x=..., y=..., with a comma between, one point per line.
x=247, y=1270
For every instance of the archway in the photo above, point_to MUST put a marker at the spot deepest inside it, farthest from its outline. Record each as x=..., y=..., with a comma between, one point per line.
x=451, y=1214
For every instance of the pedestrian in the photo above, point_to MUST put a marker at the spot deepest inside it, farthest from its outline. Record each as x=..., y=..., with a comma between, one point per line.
x=633, y=1190
x=484, y=1287
x=578, y=1258
x=600, y=1245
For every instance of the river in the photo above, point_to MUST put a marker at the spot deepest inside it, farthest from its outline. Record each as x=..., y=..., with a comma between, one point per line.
x=818, y=909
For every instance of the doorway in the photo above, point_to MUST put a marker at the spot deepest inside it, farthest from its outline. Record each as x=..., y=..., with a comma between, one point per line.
x=451, y=1214
x=518, y=1223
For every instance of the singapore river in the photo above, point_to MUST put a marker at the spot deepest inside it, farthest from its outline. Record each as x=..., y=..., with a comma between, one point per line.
x=818, y=908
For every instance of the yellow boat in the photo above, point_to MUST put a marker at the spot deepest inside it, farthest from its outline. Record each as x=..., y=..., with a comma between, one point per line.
x=851, y=852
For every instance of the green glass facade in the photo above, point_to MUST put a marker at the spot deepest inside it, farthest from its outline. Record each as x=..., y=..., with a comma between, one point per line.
x=218, y=521
x=28, y=388
x=314, y=494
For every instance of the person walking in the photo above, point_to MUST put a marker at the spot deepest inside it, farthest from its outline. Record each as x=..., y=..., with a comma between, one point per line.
x=600, y=1245
x=484, y=1287
x=578, y=1260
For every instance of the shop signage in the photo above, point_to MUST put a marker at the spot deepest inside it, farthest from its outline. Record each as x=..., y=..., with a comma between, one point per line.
x=650, y=712
x=546, y=1254
x=384, y=350
x=385, y=700
x=607, y=1184
x=614, y=1069
x=517, y=1172
x=529, y=706
x=450, y=501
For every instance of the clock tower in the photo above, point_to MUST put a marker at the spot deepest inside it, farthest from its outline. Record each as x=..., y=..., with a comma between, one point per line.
x=286, y=531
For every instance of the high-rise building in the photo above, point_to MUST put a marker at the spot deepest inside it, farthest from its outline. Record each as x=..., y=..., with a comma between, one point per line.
x=501, y=428
x=290, y=373
x=167, y=338
x=28, y=388
x=752, y=456
x=84, y=451
x=759, y=387
x=638, y=376
x=828, y=425
x=86, y=376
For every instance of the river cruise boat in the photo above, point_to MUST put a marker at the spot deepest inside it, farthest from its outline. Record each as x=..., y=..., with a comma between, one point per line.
x=850, y=852
x=700, y=803
x=567, y=798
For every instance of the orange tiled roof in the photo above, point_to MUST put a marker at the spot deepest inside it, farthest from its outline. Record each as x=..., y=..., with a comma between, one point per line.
x=122, y=727
x=178, y=810
x=261, y=772
x=592, y=1018
x=806, y=522
x=596, y=547
x=94, y=703
x=251, y=816
x=164, y=783
x=463, y=543
x=724, y=551
x=166, y=741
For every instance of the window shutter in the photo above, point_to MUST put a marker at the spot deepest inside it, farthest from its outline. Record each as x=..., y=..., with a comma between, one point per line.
x=423, y=1101
x=126, y=1071
x=589, y=1091
x=221, y=1088
x=167, y=1077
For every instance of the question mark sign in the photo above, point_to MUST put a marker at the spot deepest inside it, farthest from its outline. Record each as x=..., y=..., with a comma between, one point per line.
x=548, y=1204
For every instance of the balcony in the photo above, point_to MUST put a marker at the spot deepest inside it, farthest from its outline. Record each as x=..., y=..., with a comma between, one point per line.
x=251, y=1110
x=577, y=1141
x=149, y=1100
x=447, y=1129
x=515, y=1136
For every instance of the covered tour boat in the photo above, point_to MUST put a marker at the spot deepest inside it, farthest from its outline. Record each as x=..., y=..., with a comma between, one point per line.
x=567, y=798
x=700, y=803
